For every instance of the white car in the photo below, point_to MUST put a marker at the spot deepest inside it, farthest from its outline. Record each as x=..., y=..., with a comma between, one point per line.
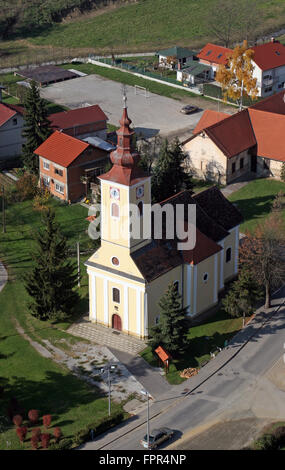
x=156, y=437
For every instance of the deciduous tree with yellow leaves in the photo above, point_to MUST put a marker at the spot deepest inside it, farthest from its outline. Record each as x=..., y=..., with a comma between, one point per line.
x=236, y=78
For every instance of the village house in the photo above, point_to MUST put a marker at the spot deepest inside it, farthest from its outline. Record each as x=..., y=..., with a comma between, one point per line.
x=84, y=122
x=128, y=275
x=11, y=127
x=213, y=56
x=269, y=67
x=67, y=166
x=174, y=56
x=226, y=147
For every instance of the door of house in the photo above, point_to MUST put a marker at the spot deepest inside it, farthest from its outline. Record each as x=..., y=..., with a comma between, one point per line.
x=116, y=322
x=253, y=163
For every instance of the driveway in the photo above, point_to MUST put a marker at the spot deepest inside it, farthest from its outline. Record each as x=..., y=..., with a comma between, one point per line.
x=150, y=116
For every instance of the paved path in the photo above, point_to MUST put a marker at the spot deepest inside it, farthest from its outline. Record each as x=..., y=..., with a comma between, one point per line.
x=107, y=336
x=3, y=276
x=220, y=386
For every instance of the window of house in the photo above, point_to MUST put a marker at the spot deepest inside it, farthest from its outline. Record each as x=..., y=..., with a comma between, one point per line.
x=228, y=255
x=241, y=163
x=46, y=165
x=176, y=285
x=267, y=89
x=46, y=181
x=116, y=295
x=58, y=171
x=281, y=85
x=205, y=277
x=209, y=52
x=233, y=167
x=219, y=56
x=115, y=210
x=59, y=188
x=15, y=121
x=140, y=207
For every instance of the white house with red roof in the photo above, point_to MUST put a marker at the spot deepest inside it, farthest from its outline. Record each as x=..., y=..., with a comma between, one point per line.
x=214, y=56
x=269, y=67
x=11, y=126
x=89, y=121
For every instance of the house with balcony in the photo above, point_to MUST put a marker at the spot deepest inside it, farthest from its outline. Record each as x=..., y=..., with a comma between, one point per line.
x=269, y=67
x=68, y=166
x=213, y=56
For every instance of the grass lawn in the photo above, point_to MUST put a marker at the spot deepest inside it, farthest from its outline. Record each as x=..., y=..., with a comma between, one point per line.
x=203, y=339
x=35, y=381
x=255, y=201
x=146, y=25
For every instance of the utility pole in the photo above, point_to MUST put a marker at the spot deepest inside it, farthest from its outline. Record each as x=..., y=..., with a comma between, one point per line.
x=78, y=264
x=3, y=210
x=145, y=392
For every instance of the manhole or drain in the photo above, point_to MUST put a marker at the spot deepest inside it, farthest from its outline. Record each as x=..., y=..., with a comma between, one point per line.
x=115, y=332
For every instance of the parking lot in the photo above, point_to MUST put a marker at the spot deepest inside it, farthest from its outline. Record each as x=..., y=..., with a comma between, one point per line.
x=150, y=115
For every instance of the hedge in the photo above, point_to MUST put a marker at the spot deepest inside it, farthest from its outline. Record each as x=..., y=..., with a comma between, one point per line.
x=98, y=428
x=216, y=92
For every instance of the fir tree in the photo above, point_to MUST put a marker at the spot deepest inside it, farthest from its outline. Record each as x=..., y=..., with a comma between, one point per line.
x=243, y=295
x=169, y=175
x=36, y=127
x=171, y=330
x=50, y=283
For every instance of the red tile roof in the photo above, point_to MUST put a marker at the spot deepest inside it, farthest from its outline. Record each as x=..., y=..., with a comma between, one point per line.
x=209, y=118
x=77, y=117
x=272, y=104
x=269, y=130
x=233, y=135
x=204, y=248
x=215, y=54
x=61, y=148
x=7, y=112
x=270, y=55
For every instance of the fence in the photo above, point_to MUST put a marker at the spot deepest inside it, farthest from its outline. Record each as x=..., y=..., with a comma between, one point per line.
x=142, y=71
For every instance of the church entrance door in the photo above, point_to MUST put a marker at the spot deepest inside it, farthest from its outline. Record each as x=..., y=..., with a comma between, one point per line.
x=116, y=322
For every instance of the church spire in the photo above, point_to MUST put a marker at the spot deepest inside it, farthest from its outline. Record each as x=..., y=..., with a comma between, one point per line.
x=125, y=158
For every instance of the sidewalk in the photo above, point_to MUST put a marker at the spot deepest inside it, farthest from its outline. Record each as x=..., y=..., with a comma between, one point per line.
x=177, y=393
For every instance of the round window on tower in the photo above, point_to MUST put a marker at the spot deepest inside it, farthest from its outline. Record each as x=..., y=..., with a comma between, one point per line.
x=115, y=261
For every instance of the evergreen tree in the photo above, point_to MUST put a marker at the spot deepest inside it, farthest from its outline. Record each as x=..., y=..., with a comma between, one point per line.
x=171, y=330
x=51, y=281
x=169, y=175
x=36, y=127
x=243, y=295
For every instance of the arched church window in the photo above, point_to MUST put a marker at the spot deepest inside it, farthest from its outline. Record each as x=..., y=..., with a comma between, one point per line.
x=115, y=210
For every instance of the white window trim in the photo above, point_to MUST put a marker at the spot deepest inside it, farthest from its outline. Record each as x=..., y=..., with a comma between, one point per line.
x=46, y=163
x=59, y=184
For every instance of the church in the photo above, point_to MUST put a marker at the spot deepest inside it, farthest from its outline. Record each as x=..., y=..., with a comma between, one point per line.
x=128, y=275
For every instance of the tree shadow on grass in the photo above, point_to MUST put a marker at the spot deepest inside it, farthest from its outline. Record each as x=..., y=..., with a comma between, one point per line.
x=255, y=207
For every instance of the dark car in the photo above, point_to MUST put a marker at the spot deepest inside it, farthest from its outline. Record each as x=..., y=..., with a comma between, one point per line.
x=156, y=437
x=188, y=109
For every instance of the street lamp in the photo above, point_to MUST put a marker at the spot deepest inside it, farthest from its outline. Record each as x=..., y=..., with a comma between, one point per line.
x=146, y=393
x=109, y=368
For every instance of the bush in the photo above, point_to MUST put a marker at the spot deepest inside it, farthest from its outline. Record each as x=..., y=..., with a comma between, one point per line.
x=279, y=436
x=64, y=444
x=21, y=433
x=45, y=439
x=47, y=421
x=34, y=442
x=17, y=420
x=266, y=442
x=26, y=187
x=103, y=425
x=57, y=434
x=216, y=92
x=33, y=416
x=36, y=432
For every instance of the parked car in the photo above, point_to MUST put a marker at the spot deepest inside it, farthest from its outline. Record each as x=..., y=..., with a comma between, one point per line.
x=188, y=109
x=156, y=437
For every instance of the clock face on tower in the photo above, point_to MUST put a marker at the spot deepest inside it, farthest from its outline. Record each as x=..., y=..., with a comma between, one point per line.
x=140, y=192
x=115, y=193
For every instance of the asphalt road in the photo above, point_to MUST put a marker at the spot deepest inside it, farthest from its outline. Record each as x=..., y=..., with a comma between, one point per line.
x=239, y=389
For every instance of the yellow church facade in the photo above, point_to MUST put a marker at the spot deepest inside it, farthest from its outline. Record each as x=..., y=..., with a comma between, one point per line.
x=128, y=275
